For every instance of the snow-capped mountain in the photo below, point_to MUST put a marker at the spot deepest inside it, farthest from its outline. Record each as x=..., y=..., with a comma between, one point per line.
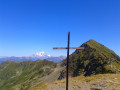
x=41, y=54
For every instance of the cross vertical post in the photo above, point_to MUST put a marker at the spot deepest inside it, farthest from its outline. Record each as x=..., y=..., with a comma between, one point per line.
x=67, y=66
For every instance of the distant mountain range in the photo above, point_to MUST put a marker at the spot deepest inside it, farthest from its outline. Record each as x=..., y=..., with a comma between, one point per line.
x=34, y=57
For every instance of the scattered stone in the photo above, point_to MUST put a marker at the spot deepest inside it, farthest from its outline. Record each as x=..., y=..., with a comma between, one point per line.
x=95, y=89
x=79, y=87
x=115, y=78
x=99, y=85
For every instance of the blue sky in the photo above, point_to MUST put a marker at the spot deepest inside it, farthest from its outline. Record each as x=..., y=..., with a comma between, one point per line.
x=30, y=26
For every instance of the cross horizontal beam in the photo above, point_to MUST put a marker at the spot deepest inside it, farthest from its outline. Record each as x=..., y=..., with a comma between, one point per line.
x=69, y=48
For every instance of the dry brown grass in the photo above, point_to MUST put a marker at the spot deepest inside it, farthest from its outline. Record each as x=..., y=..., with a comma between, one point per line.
x=101, y=81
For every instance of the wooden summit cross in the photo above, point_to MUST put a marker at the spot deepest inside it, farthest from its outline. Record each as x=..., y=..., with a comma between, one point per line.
x=67, y=67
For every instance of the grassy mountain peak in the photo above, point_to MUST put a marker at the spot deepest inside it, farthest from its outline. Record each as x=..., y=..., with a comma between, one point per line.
x=94, y=59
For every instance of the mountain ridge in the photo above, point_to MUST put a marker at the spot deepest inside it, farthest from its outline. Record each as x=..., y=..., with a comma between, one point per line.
x=24, y=75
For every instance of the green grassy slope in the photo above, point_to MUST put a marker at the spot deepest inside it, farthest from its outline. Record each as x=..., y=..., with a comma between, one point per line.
x=23, y=75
